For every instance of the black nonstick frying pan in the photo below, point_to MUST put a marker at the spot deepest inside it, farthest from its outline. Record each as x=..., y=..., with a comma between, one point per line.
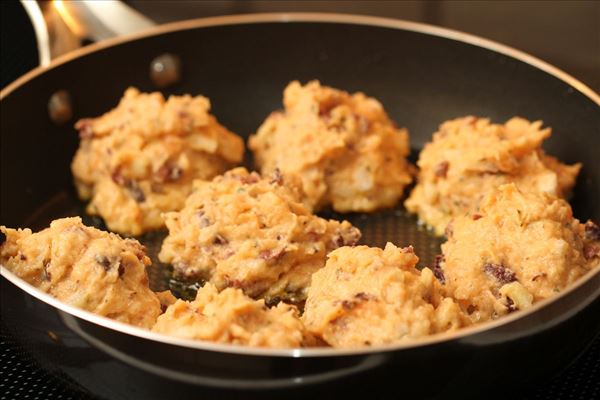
x=423, y=75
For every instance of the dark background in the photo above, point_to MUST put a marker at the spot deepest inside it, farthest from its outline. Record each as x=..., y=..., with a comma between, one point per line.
x=563, y=33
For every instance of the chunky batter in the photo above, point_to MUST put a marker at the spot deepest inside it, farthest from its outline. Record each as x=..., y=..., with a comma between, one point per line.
x=518, y=248
x=140, y=159
x=344, y=148
x=232, y=317
x=469, y=156
x=84, y=267
x=244, y=231
x=369, y=296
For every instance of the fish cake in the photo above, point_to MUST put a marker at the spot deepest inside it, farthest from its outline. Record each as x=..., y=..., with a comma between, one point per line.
x=140, y=159
x=470, y=156
x=251, y=232
x=232, y=317
x=371, y=296
x=344, y=149
x=516, y=249
x=86, y=268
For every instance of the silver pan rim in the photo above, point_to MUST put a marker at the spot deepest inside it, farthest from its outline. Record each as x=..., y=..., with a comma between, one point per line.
x=299, y=18
x=460, y=334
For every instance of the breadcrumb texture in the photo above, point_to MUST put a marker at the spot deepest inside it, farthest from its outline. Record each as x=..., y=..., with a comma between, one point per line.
x=245, y=231
x=139, y=159
x=84, y=267
x=343, y=147
x=232, y=317
x=372, y=296
x=470, y=156
x=517, y=249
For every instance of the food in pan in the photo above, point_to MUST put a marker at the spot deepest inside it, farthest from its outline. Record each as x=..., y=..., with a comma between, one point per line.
x=369, y=296
x=469, y=156
x=343, y=147
x=139, y=159
x=250, y=232
x=516, y=249
x=84, y=267
x=512, y=239
x=230, y=316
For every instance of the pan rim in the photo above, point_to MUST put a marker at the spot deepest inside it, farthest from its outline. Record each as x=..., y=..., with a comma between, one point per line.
x=306, y=352
x=292, y=17
x=298, y=18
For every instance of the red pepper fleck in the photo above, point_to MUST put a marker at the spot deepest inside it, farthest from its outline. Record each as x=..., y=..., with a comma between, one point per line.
x=204, y=221
x=437, y=270
x=326, y=107
x=441, y=170
x=348, y=305
x=45, y=273
x=501, y=273
x=364, y=296
x=253, y=177
x=276, y=177
x=312, y=236
x=511, y=305
x=134, y=189
x=592, y=231
x=121, y=269
x=169, y=173
x=140, y=254
x=104, y=261
x=535, y=278
x=219, y=239
x=236, y=283
x=272, y=301
x=271, y=255
x=591, y=251
x=136, y=192
x=84, y=126
x=348, y=237
x=118, y=177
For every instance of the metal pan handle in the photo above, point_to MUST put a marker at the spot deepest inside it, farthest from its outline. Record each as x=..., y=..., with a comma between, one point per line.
x=62, y=25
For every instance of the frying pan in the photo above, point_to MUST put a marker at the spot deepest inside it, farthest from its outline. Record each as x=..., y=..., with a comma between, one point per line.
x=422, y=74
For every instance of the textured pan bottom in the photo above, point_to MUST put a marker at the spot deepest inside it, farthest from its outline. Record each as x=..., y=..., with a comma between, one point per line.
x=395, y=226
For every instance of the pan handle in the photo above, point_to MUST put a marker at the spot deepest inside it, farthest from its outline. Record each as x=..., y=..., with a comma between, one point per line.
x=64, y=25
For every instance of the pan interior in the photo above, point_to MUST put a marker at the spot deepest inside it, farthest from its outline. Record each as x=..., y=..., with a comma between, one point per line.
x=389, y=225
x=421, y=79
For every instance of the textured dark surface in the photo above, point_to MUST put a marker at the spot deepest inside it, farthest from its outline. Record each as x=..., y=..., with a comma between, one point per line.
x=22, y=378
